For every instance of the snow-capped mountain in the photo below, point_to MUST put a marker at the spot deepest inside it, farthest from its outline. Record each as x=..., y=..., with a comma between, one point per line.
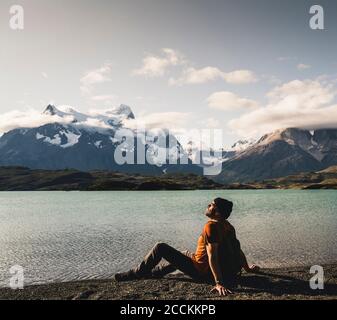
x=218, y=156
x=242, y=145
x=111, y=117
x=71, y=139
x=224, y=154
x=281, y=153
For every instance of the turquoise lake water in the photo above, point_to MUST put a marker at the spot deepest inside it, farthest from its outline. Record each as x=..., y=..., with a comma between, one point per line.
x=61, y=236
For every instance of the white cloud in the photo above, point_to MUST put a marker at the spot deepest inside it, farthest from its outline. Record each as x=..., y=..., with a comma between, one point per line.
x=95, y=119
x=302, y=66
x=303, y=104
x=225, y=100
x=27, y=119
x=196, y=76
x=93, y=124
x=44, y=75
x=212, y=123
x=156, y=66
x=166, y=120
x=307, y=94
x=240, y=77
x=207, y=74
x=286, y=58
x=93, y=77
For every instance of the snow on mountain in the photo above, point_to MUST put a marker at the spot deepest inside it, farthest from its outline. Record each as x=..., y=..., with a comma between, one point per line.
x=65, y=112
x=98, y=144
x=111, y=117
x=224, y=155
x=88, y=141
x=123, y=111
x=281, y=153
x=102, y=121
x=63, y=139
x=242, y=145
x=304, y=139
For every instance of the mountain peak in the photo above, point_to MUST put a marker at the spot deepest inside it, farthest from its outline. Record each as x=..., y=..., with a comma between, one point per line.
x=309, y=142
x=242, y=145
x=122, y=110
x=51, y=110
x=289, y=135
x=65, y=112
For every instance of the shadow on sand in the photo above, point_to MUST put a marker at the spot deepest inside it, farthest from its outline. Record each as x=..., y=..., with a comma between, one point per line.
x=280, y=284
x=273, y=283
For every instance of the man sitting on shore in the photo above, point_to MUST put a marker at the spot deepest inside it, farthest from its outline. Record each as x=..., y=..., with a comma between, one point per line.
x=218, y=255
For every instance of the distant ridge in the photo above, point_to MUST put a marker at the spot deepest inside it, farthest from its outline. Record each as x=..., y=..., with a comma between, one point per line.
x=25, y=179
x=282, y=153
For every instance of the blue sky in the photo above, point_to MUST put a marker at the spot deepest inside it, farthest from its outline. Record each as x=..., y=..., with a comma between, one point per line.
x=246, y=67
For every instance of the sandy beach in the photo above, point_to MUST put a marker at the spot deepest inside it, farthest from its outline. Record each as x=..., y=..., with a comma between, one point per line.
x=269, y=284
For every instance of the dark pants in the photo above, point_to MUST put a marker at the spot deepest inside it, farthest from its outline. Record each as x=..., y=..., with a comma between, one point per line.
x=176, y=260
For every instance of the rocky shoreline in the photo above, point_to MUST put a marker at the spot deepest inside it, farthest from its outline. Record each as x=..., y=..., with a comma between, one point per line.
x=269, y=284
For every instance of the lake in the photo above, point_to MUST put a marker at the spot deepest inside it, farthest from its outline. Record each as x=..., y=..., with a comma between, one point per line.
x=62, y=236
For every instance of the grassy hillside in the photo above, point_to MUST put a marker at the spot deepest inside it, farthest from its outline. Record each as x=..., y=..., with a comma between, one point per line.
x=24, y=179
x=325, y=179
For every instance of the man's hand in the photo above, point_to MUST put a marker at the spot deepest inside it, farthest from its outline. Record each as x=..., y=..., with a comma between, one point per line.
x=254, y=269
x=221, y=290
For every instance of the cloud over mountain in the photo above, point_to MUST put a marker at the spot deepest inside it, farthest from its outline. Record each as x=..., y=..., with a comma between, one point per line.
x=167, y=120
x=305, y=104
x=156, y=66
x=95, y=118
x=28, y=119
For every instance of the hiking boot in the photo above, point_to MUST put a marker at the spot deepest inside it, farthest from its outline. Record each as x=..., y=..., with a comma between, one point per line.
x=156, y=275
x=126, y=276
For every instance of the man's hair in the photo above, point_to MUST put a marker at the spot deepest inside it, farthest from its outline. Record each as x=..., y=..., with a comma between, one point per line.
x=224, y=207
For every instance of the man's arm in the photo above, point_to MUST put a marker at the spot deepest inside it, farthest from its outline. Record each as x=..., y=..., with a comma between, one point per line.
x=213, y=259
x=246, y=266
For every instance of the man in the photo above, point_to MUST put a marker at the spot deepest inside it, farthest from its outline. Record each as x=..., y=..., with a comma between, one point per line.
x=218, y=253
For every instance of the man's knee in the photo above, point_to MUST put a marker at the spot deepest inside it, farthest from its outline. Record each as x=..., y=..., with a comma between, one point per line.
x=160, y=246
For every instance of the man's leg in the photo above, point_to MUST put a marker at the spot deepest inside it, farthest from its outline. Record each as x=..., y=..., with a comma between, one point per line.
x=176, y=259
x=163, y=251
x=162, y=270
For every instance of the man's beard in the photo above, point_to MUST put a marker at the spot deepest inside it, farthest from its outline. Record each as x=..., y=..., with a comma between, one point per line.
x=209, y=214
